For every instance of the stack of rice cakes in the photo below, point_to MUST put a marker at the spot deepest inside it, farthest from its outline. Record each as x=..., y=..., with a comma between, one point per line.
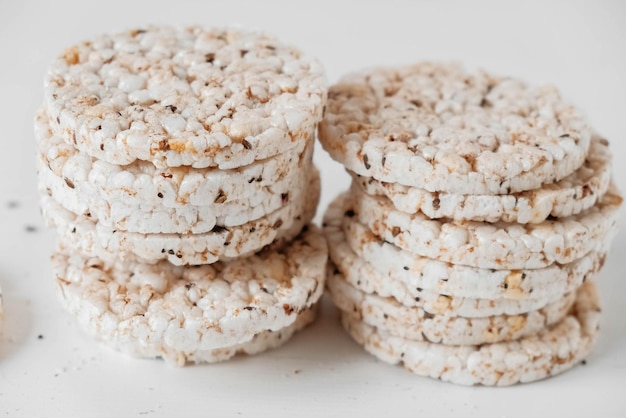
x=176, y=166
x=480, y=209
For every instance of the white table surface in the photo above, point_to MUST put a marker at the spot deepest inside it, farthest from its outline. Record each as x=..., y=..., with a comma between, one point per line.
x=48, y=368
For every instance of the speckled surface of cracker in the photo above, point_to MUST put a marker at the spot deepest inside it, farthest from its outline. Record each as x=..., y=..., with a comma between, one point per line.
x=141, y=198
x=497, y=245
x=373, y=265
x=188, y=96
x=534, y=357
x=194, y=308
x=414, y=323
x=570, y=196
x=93, y=239
x=441, y=128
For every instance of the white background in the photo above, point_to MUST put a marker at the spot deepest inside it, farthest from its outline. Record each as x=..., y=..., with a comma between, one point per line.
x=579, y=46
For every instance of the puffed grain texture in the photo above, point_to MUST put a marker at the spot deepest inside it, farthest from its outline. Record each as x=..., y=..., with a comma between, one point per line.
x=534, y=357
x=189, y=309
x=142, y=198
x=438, y=127
x=414, y=323
x=184, y=96
x=93, y=239
x=498, y=245
x=571, y=195
x=373, y=265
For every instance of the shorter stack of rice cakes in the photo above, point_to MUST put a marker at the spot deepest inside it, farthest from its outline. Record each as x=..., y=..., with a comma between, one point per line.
x=480, y=210
x=176, y=166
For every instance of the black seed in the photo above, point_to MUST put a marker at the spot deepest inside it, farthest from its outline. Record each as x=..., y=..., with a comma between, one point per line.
x=226, y=244
x=366, y=162
x=210, y=57
x=249, y=308
x=349, y=213
x=172, y=108
x=69, y=183
x=252, y=229
x=160, y=195
x=406, y=268
x=170, y=252
x=246, y=144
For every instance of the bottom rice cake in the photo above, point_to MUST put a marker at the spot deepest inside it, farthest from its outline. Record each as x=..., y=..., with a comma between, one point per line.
x=93, y=239
x=549, y=352
x=182, y=313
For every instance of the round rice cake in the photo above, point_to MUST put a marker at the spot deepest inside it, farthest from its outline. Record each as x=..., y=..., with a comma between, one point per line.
x=141, y=198
x=498, y=245
x=93, y=239
x=569, y=196
x=443, y=129
x=375, y=266
x=143, y=216
x=533, y=357
x=263, y=341
x=184, y=97
x=413, y=323
x=174, y=311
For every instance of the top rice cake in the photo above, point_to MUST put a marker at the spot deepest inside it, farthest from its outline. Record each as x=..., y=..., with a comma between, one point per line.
x=184, y=97
x=443, y=129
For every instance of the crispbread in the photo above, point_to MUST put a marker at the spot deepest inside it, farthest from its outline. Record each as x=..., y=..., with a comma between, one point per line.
x=498, y=245
x=373, y=265
x=263, y=341
x=132, y=214
x=174, y=311
x=93, y=239
x=413, y=323
x=570, y=196
x=190, y=96
x=440, y=128
x=547, y=353
x=141, y=198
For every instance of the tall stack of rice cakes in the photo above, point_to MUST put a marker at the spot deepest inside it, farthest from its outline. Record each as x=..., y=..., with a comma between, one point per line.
x=480, y=210
x=176, y=166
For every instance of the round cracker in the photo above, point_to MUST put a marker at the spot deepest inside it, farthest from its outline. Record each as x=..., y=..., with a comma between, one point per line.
x=188, y=96
x=414, y=323
x=569, y=196
x=498, y=245
x=443, y=129
x=263, y=341
x=141, y=198
x=534, y=357
x=93, y=239
x=172, y=311
x=375, y=266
